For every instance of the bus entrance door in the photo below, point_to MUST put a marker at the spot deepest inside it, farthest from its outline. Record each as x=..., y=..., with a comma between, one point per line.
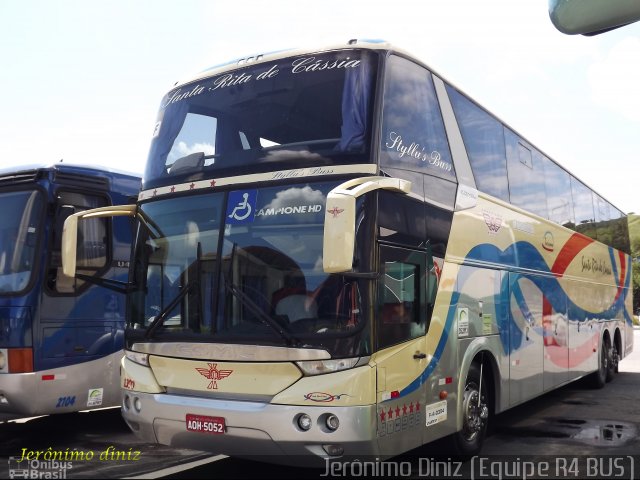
x=401, y=358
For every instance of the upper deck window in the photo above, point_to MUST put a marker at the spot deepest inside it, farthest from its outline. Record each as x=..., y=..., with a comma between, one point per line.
x=483, y=137
x=413, y=135
x=300, y=111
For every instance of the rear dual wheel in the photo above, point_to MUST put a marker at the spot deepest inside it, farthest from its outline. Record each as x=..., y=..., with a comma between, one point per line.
x=605, y=366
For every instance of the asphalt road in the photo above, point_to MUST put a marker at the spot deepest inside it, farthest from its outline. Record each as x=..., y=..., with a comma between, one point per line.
x=572, y=432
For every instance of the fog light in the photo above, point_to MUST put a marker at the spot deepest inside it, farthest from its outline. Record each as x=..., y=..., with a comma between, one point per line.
x=126, y=403
x=333, y=450
x=332, y=422
x=304, y=422
x=137, y=404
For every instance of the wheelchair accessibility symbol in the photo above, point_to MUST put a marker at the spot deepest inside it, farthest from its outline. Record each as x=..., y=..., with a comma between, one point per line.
x=241, y=206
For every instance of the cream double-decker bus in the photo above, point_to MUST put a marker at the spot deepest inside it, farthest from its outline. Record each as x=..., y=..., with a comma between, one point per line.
x=339, y=253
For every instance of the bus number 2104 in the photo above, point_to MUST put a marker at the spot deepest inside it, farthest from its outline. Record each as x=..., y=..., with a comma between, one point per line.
x=65, y=402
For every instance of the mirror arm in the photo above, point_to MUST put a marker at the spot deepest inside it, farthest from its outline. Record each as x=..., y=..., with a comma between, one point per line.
x=115, y=285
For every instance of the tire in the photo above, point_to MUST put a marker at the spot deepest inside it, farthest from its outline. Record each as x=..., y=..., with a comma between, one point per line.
x=599, y=377
x=613, y=363
x=475, y=411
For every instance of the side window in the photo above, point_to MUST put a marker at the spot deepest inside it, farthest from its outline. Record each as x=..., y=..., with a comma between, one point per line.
x=93, y=245
x=402, y=308
x=483, y=138
x=583, y=208
x=557, y=184
x=526, y=175
x=198, y=134
x=401, y=219
x=413, y=135
x=620, y=229
x=604, y=228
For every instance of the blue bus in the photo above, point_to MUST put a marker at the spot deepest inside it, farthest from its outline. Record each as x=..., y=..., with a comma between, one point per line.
x=61, y=338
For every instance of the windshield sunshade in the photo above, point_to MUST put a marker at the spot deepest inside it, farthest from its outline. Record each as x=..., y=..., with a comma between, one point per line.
x=303, y=111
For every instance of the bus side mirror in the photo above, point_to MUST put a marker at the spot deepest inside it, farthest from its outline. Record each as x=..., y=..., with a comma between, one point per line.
x=338, y=243
x=64, y=212
x=69, y=245
x=70, y=232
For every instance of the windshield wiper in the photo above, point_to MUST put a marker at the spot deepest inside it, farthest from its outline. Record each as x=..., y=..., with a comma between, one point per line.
x=263, y=317
x=255, y=309
x=162, y=316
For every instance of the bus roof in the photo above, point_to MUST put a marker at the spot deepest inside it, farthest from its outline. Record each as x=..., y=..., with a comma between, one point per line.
x=118, y=180
x=279, y=54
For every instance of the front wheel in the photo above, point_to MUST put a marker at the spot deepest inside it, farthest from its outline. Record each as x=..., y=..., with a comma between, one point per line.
x=475, y=414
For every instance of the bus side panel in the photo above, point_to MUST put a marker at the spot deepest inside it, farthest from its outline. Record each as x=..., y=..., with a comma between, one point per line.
x=482, y=329
x=526, y=339
x=584, y=329
x=555, y=322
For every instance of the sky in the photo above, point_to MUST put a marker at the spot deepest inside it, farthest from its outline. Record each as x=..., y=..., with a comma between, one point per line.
x=81, y=80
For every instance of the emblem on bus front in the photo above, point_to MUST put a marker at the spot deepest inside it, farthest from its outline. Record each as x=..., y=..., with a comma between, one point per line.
x=212, y=373
x=335, y=211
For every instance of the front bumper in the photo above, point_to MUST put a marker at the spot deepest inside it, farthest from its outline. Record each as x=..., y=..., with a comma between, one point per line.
x=253, y=429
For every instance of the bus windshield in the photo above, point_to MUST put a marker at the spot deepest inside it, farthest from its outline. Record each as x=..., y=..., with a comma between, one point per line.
x=269, y=288
x=303, y=111
x=19, y=235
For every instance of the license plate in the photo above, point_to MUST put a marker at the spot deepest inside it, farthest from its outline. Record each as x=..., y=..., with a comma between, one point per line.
x=205, y=424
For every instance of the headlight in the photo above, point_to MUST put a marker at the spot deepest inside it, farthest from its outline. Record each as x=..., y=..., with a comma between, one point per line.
x=319, y=367
x=137, y=357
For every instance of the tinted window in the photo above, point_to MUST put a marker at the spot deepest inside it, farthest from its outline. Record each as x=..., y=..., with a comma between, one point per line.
x=405, y=220
x=558, y=190
x=402, y=304
x=302, y=111
x=620, y=230
x=603, y=216
x=583, y=208
x=401, y=219
x=413, y=133
x=526, y=175
x=19, y=234
x=484, y=140
x=93, y=243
